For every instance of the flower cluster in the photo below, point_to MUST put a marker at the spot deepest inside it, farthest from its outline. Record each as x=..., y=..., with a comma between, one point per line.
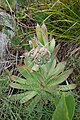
x=39, y=55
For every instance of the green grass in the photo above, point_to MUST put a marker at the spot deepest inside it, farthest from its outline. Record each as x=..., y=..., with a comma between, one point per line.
x=62, y=19
x=15, y=111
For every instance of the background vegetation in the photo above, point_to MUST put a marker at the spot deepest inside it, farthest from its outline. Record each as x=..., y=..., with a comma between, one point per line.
x=62, y=18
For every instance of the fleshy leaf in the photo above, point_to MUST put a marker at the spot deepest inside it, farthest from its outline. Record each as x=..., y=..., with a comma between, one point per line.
x=19, y=96
x=27, y=62
x=28, y=97
x=59, y=68
x=18, y=79
x=44, y=33
x=55, y=51
x=18, y=86
x=60, y=78
x=52, y=66
x=67, y=87
x=39, y=34
x=52, y=45
x=24, y=71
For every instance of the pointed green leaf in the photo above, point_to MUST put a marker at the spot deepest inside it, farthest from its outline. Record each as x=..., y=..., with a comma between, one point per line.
x=44, y=33
x=36, y=77
x=39, y=34
x=55, y=51
x=18, y=86
x=28, y=97
x=23, y=70
x=67, y=87
x=53, y=55
x=44, y=69
x=55, y=71
x=19, y=96
x=27, y=62
x=52, y=45
x=18, y=79
x=59, y=68
x=60, y=78
x=31, y=86
x=52, y=66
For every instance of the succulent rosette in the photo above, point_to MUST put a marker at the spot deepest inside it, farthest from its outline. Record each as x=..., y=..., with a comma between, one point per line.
x=43, y=77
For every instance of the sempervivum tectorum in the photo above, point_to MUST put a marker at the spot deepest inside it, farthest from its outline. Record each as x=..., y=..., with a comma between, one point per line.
x=39, y=55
